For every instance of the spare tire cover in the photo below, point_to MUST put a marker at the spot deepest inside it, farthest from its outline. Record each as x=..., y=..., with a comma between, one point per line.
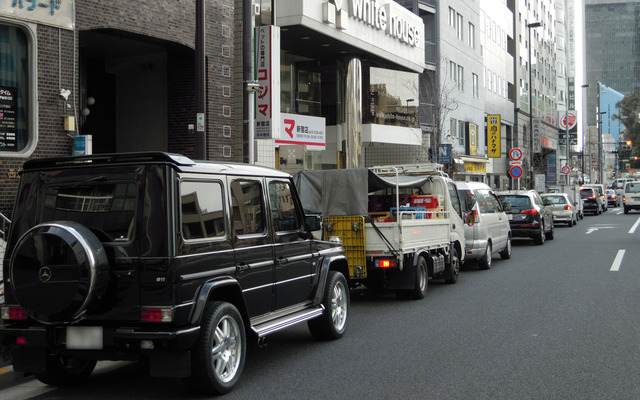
x=58, y=270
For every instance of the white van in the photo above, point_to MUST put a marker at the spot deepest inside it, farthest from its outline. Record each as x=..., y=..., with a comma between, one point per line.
x=631, y=196
x=490, y=233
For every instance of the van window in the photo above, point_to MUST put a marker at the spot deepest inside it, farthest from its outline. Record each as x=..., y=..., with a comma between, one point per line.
x=248, y=207
x=202, y=210
x=283, y=209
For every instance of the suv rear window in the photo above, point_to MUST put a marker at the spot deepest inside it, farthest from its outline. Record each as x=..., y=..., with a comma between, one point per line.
x=515, y=200
x=108, y=209
x=586, y=192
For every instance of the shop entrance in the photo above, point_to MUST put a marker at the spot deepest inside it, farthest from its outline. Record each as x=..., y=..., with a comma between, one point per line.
x=125, y=81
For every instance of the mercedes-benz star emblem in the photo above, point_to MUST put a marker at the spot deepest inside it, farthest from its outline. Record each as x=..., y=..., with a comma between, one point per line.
x=45, y=274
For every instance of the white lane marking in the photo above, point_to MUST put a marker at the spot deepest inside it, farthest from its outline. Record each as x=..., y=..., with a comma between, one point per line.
x=618, y=260
x=635, y=226
x=593, y=228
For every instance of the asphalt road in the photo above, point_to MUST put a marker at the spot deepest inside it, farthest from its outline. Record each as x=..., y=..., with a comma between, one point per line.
x=558, y=321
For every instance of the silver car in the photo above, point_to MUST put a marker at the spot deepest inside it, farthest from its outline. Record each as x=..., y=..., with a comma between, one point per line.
x=490, y=231
x=562, y=208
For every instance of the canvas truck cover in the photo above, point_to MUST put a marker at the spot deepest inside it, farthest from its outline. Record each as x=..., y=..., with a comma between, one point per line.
x=344, y=192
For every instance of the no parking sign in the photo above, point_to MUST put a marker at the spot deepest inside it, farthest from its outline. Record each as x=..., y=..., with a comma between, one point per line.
x=515, y=171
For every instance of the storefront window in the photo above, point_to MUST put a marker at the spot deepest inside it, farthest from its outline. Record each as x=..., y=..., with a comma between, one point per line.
x=14, y=89
x=392, y=98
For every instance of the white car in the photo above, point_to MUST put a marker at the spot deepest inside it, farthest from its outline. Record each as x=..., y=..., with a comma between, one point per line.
x=490, y=232
x=562, y=207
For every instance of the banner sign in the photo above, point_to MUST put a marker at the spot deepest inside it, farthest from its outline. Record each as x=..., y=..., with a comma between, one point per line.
x=572, y=93
x=302, y=129
x=573, y=119
x=58, y=13
x=493, y=136
x=536, y=128
x=444, y=154
x=267, y=70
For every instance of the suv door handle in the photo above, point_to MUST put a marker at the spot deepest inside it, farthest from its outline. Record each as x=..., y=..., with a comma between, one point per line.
x=242, y=267
x=281, y=260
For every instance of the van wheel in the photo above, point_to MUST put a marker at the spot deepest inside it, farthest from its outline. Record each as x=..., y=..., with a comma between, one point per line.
x=218, y=355
x=505, y=254
x=485, y=261
x=333, y=322
x=66, y=371
x=452, y=271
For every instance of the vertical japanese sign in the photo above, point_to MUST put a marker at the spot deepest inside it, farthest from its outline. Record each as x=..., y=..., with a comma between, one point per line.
x=8, y=117
x=472, y=139
x=493, y=136
x=572, y=93
x=535, y=131
x=267, y=74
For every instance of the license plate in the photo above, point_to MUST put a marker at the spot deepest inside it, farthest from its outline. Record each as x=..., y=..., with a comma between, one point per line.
x=84, y=337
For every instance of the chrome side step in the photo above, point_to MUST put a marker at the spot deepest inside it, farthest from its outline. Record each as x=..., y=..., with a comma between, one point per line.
x=286, y=321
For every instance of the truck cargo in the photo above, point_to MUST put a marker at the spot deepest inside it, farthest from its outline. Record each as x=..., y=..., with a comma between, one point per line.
x=391, y=247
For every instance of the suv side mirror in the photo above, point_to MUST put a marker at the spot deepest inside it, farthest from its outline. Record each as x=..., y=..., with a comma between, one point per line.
x=313, y=222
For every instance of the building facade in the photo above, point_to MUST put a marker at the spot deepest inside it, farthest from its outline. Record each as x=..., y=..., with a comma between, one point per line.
x=119, y=72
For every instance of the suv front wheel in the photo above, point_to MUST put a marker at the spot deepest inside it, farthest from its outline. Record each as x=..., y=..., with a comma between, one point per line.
x=218, y=356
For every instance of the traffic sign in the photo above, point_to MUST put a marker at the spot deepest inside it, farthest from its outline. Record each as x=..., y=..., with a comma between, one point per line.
x=565, y=170
x=515, y=171
x=515, y=154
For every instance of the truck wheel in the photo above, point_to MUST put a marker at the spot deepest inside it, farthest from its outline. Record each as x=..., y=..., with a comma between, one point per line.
x=218, y=356
x=422, y=279
x=333, y=322
x=485, y=261
x=505, y=254
x=66, y=371
x=452, y=271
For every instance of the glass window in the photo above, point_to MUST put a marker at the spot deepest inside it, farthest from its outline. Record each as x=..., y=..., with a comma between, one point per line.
x=452, y=17
x=202, y=210
x=108, y=209
x=460, y=27
x=455, y=200
x=393, y=98
x=247, y=207
x=460, y=78
x=472, y=36
x=474, y=78
x=14, y=89
x=283, y=208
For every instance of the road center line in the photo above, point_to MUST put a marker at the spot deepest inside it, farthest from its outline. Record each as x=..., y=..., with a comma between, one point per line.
x=618, y=260
x=633, y=228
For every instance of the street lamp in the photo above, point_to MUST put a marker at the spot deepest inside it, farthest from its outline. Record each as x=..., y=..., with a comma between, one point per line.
x=583, y=144
x=529, y=26
x=408, y=101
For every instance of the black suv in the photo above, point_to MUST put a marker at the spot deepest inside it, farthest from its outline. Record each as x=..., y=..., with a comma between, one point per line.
x=152, y=256
x=528, y=215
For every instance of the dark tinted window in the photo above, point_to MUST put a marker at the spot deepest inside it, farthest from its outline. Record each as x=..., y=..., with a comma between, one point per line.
x=247, y=206
x=283, y=208
x=108, y=209
x=586, y=193
x=515, y=200
x=202, y=210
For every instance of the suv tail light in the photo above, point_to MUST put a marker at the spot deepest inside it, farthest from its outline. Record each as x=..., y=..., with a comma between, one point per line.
x=151, y=314
x=532, y=211
x=13, y=313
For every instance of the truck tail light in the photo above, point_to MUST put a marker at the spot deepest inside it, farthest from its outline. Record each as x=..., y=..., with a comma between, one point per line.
x=156, y=314
x=386, y=263
x=624, y=198
x=13, y=313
